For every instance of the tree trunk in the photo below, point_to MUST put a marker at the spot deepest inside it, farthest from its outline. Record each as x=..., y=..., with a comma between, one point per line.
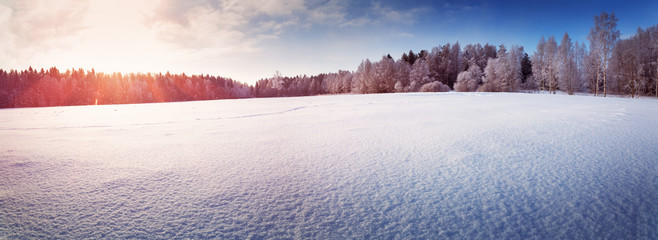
x=598, y=69
x=604, y=92
x=605, y=67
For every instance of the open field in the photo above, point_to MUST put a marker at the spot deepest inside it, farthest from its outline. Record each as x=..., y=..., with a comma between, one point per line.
x=388, y=166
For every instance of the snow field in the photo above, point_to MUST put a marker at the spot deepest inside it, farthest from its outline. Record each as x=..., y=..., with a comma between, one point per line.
x=393, y=166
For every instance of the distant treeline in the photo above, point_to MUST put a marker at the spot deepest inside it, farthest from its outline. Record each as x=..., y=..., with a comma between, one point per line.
x=627, y=67
x=32, y=88
x=608, y=65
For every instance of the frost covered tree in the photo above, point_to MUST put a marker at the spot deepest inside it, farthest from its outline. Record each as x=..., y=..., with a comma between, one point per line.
x=384, y=76
x=551, y=68
x=434, y=63
x=419, y=75
x=503, y=73
x=580, y=55
x=475, y=53
x=455, y=64
x=591, y=70
x=346, y=81
x=627, y=68
x=491, y=76
x=538, y=63
x=469, y=80
x=402, y=70
x=435, y=86
x=363, y=77
x=277, y=82
x=566, y=64
x=629, y=62
x=334, y=83
x=512, y=68
x=602, y=37
x=445, y=63
x=544, y=67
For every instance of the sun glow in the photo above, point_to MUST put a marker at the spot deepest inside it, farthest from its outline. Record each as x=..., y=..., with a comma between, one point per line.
x=113, y=39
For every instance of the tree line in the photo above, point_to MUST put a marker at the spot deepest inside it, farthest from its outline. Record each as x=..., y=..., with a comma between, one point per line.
x=607, y=65
x=32, y=88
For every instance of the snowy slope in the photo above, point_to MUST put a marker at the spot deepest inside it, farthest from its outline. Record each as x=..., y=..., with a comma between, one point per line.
x=392, y=166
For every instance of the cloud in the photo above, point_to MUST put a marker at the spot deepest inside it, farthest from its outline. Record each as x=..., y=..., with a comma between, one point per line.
x=387, y=14
x=335, y=12
x=33, y=26
x=240, y=26
x=403, y=35
x=203, y=24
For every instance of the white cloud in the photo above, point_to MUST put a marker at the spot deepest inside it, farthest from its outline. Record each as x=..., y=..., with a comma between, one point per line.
x=404, y=35
x=236, y=25
x=39, y=21
x=35, y=26
x=202, y=36
x=241, y=25
x=389, y=15
x=332, y=11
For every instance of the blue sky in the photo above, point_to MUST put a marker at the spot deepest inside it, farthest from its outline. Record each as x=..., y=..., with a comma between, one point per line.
x=249, y=40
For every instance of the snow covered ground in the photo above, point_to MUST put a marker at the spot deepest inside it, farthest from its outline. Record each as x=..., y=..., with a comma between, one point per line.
x=391, y=166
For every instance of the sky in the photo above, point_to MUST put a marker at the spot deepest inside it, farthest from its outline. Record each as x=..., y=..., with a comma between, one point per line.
x=247, y=40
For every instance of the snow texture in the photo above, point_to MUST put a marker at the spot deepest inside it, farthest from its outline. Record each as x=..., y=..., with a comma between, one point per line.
x=386, y=166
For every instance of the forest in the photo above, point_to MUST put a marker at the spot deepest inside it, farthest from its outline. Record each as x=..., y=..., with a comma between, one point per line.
x=607, y=65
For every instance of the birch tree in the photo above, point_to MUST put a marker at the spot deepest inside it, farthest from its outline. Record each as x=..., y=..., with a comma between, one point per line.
x=566, y=65
x=602, y=37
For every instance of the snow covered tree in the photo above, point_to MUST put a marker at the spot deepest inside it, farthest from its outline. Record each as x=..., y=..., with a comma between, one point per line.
x=419, y=75
x=435, y=86
x=346, y=78
x=551, y=68
x=363, y=77
x=566, y=65
x=491, y=77
x=434, y=62
x=627, y=67
x=544, y=65
x=455, y=66
x=503, y=73
x=513, y=71
x=630, y=75
x=384, y=80
x=602, y=37
x=402, y=70
x=474, y=53
x=591, y=70
x=580, y=55
x=538, y=64
x=469, y=80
